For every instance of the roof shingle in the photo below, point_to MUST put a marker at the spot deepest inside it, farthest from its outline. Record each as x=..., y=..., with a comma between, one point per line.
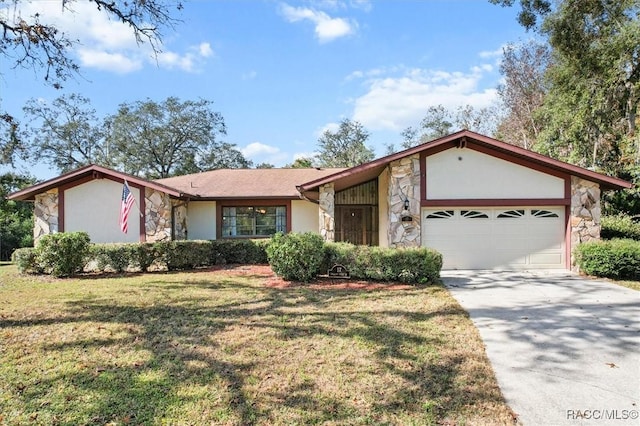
x=246, y=183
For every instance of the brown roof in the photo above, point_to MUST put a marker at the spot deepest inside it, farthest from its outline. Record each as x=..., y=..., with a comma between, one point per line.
x=88, y=172
x=365, y=172
x=246, y=183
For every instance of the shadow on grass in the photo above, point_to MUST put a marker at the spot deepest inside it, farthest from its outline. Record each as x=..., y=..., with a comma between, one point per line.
x=189, y=361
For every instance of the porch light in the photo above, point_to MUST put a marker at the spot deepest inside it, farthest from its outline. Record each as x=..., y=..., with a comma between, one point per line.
x=406, y=204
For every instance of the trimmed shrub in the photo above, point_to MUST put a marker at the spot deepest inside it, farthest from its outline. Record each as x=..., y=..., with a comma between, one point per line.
x=185, y=254
x=240, y=251
x=618, y=259
x=619, y=226
x=63, y=254
x=114, y=257
x=296, y=256
x=411, y=265
x=26, y=260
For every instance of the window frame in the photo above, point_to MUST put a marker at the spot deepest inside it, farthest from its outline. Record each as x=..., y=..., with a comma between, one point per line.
x=255, y=203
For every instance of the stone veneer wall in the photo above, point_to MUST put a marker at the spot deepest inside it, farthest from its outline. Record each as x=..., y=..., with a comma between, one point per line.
x=179, y=220
x=45, y=214
x=327, y=212
x=585, y=213
x=404, y=183
x=157, y=216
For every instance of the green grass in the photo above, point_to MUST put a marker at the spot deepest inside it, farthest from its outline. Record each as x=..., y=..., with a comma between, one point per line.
x=634, y=285
x=224, y=348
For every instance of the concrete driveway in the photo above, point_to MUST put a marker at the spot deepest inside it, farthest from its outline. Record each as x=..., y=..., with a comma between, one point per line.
x=565, y=349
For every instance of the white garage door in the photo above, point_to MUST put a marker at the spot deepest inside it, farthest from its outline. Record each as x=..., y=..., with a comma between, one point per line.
x=496, y=238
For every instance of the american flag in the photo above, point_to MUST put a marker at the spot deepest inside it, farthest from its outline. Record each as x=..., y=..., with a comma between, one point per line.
x=125, y=207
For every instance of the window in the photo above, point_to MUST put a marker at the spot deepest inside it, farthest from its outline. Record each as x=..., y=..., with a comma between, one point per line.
x=473, y=214
x=543, y=213
x=511, y=214
x=253, y=221
x=444, y=214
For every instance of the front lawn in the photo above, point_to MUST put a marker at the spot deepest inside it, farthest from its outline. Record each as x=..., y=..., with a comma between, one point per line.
x=236, y=347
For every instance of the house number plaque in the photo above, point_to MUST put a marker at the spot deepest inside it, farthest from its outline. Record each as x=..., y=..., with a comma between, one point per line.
x=338, y=271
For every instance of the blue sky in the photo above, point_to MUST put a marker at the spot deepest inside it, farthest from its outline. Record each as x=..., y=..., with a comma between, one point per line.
x=281, y=72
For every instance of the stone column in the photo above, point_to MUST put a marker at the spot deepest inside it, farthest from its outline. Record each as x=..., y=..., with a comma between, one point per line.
x=158, y=216
x=585, y=213
x=327, y=212
x=45, y=214
x=404, y=184
x=179, y=220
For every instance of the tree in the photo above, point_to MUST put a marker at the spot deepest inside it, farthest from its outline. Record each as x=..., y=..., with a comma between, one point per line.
x=592, y=106
x=10, y=143
x=27, y=42
x=590, y=111
x=16, y=218
x=344, y=147
x=301, y=163
x=440, y=121
x=523, y=91
x=158, y=140
x=66, y=134
x=265, y=166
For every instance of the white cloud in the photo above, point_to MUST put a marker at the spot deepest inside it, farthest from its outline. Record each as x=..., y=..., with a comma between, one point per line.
x=326, y=28
x=113, y=62
x=205, y=50
x=489, y=54
x=263, y=153
x=107, y=44
x=331, y=127
x=395, y=102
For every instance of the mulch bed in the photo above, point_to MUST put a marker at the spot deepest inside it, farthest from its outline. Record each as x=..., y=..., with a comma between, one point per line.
x=271, y=280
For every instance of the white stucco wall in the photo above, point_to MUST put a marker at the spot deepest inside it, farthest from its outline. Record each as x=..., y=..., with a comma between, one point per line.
x=94, y=207
x=467, y=174
x=201, y=220
x=304, y=216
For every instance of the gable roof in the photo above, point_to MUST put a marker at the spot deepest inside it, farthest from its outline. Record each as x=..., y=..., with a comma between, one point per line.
x=368, y=171
x=91, y=171
x=246, y=183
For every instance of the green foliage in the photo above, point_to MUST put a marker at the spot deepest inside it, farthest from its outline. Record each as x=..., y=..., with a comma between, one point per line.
x=618, y=259
x=26, y=260
x=64, y=253
x=345, y=147
x=65, y=133
x=163, y=255
x=16, y=217
x=439, y=121
x=158, y=140
x=185, y=254
x=296, y=256
x=413, y=265
x=619, y=226
x=240, y=251
x=114, y=257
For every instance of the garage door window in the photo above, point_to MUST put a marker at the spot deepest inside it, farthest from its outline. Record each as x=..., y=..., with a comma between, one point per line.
x=510, y=214
x=444, y=214
x=473, y=214
x=543, y=213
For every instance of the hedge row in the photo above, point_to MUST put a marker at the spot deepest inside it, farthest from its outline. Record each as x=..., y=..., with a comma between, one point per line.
x=299, y=257
x=65, y=254
x=304, y=256
x=419, y=265
x=618, y=258
x=619, y=226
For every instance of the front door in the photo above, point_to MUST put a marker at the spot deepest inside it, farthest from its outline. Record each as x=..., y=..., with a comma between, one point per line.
x=355, y=225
